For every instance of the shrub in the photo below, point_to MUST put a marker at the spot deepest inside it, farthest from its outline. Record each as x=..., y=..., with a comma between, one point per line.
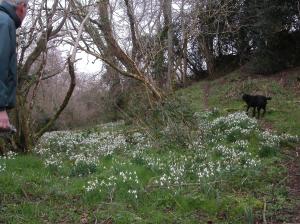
x=171, y=121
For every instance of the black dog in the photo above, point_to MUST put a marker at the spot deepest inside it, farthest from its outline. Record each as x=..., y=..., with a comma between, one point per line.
x=256, y=101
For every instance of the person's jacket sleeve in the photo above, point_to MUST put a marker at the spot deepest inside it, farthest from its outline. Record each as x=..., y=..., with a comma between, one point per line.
x=5, y=52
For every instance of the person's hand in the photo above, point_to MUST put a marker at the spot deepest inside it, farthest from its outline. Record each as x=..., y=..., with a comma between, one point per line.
x=4, y=120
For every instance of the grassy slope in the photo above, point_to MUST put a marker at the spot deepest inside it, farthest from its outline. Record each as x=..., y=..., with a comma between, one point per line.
x=283, y=111
x=33, y=193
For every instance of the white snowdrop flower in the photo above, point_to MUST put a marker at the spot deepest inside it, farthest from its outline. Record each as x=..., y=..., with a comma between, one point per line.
x=269, y=139
x=290, y=138
x=2, y=167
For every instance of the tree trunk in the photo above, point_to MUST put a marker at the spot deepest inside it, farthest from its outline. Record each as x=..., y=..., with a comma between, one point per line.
x=167, y=10
x=114, y=48
x=24, y=136
x=206, y=44
x=185, y=45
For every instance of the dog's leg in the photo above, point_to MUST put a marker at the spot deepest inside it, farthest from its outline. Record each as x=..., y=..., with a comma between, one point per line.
x=253, y=112
x=248, y=107
x=264, y=108
x=258, y=112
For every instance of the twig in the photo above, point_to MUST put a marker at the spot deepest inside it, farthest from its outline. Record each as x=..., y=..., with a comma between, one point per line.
x=25, y=194
x=264, y=212
x=106, y=221
x=96, y=221
x=183, y=185
x=73, y=55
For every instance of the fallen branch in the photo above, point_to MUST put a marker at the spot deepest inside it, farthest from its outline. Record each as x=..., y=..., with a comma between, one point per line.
x=264, y=211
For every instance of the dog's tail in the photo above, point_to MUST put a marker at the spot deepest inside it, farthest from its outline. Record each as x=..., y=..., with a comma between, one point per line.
x=269, y=98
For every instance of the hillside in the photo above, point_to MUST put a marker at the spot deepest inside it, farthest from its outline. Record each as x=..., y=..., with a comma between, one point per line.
x=225, y=94
x=205, y=161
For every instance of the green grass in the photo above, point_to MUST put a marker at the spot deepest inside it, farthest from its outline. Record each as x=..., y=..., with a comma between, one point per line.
x=194, y=96
x=283, y=111
x=31, y=192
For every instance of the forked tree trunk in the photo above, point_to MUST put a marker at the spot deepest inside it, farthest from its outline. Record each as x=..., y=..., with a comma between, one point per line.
x=113, y=46
x=24, y=136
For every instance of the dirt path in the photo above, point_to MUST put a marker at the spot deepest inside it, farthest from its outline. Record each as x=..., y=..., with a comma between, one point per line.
x=294, y=183
x=293, y=155
x=206, y=91
x=293, y=165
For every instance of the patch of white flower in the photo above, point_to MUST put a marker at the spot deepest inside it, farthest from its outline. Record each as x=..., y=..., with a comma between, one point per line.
x=197, y=143
x=269, y=139
x=242, y=145
x=175, y=176
x=219, y=146
x=289, y=138
x=2, y=166
x=127, y=176
x=57, y=147
x=101, y=185
x=133, y=192
x=91, y=185
x=86, y=158
x=112, y=183
x=7, y=156
x=87, y=146
x=202, y=119
x=236, y=119
x=141, y=141
x=53, y=160
x=236, y=124
x=209, y=169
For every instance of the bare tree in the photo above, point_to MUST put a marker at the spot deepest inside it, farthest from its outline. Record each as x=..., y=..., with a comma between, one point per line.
x=210, y=19
x=40, y=32
x=103, y=43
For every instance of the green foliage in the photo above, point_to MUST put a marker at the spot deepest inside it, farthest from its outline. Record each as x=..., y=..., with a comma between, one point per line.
x=170, y=121
x=281, y=52
x=82, y=169
x=267, y=38
x=273, y=46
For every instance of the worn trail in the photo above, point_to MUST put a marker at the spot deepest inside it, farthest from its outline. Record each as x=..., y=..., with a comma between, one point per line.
x=293, y=166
